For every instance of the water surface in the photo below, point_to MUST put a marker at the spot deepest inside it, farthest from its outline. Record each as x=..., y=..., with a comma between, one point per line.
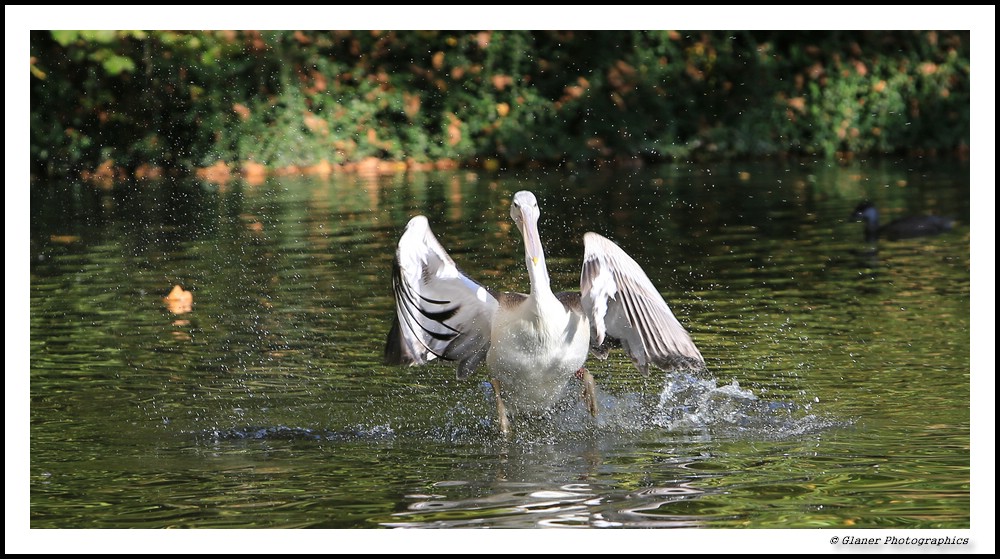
x=837, y=393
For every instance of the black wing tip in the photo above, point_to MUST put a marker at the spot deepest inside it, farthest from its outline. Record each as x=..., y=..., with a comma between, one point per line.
x=395, y=352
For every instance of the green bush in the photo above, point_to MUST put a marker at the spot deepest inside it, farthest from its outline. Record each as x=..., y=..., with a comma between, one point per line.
x=189, y=99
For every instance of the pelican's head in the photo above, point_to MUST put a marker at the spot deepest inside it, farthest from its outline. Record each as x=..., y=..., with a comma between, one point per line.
x=524, y=212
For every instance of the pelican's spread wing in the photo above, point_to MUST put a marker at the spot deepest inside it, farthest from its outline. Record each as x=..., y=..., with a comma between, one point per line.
x=440, y=312
x=622, y=303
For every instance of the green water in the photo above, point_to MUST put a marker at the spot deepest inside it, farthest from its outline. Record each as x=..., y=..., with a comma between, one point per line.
x=837, y=394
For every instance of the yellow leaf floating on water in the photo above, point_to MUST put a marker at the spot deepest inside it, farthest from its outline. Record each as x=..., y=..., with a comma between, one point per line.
x=179, y=301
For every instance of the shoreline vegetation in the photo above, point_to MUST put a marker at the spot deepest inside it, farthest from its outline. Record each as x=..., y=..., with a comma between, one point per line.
x=109, y=106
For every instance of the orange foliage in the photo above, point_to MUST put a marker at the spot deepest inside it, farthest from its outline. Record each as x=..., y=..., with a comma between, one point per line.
x=241, y=111
x=816, y=71
x=217, y=173
x=104, y=175
x=315, y=124
x=255, y=41
x=373, y=166
x=321, y=169
x=454, y=130
x=411, y=104
x=483, y=39
x=319, y=82
x=254, y=173
x=147, y=171
x=798, y=103
x=501, y=81
x=414, y=165
x=621, y=76
x=64, y=239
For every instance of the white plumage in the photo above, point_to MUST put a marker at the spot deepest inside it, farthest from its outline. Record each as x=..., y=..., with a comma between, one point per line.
x=533, y=344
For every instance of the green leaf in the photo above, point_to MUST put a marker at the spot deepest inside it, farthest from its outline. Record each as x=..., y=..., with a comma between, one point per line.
x=100, y=36
x=116, y=64
x=65, y=37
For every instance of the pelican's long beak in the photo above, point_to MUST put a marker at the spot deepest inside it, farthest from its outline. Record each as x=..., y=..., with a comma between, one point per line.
x=532, y=242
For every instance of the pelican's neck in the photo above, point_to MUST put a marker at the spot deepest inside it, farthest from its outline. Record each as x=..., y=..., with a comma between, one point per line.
x=538, y=274
x=534, y=259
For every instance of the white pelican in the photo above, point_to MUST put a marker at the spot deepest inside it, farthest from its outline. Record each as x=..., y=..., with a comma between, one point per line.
x=533, y=344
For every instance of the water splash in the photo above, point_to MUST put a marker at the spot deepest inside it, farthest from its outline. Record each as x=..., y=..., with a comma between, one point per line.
x=696, y=403
x=686, y=404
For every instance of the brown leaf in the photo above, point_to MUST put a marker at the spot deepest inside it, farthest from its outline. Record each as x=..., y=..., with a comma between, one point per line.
x=179, y=301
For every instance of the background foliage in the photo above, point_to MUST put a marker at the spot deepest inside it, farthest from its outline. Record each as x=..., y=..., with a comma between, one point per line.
x=133, y=100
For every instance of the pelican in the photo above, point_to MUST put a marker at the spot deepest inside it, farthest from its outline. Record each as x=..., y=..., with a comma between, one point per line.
x=533, y=344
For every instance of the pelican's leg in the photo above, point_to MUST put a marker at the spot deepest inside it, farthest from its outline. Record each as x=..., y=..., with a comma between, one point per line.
x=501, y=409
x=589, y=390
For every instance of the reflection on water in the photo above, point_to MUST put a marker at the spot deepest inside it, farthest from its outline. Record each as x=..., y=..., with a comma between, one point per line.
x=837, y=393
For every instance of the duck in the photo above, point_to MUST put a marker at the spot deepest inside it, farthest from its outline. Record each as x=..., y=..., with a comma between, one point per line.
x=532, y=344
x=902, y=228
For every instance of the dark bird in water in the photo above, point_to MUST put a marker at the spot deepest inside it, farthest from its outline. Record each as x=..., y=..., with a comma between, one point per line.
x=533, y=344
x=902, y=228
